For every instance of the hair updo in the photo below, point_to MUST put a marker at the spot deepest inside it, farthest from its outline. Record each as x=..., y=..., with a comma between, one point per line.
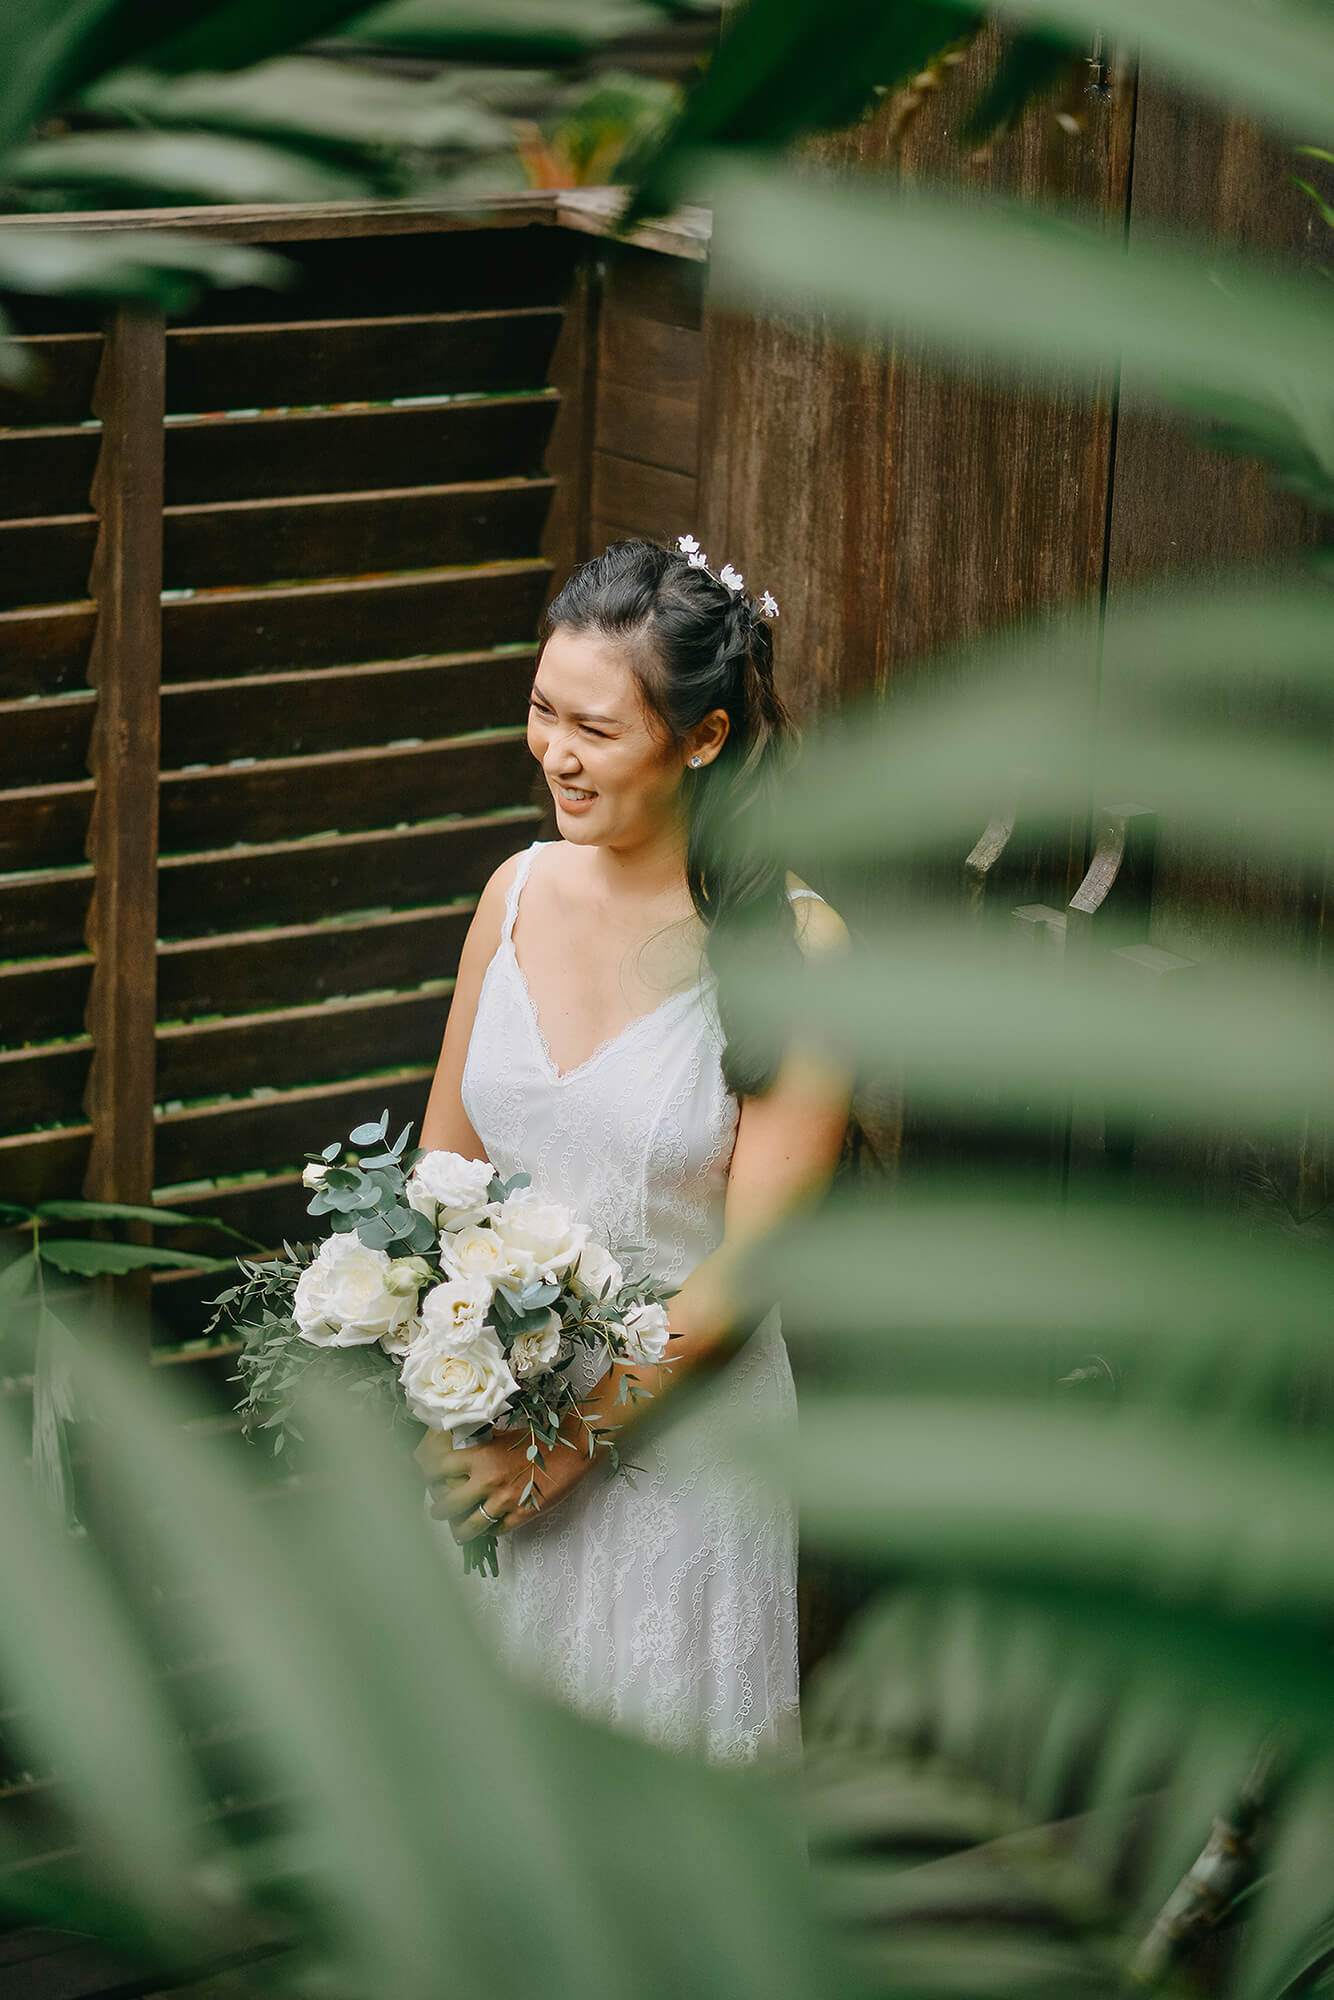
x=693, y=646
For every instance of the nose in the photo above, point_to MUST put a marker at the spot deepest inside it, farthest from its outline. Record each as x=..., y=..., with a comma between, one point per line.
x=561, y=757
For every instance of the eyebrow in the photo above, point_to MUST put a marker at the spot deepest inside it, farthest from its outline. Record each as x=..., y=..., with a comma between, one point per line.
x=616, y=721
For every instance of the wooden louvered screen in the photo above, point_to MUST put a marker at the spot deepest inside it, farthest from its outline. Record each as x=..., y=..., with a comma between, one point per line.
x=354, y=493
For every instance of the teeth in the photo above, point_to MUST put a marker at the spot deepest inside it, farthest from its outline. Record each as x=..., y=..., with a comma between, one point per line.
x=566, y=793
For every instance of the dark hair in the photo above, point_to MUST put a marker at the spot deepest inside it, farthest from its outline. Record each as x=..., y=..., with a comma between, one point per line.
x=694, y=646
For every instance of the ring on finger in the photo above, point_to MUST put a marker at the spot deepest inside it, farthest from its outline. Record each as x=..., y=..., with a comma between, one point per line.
x=494, y=1519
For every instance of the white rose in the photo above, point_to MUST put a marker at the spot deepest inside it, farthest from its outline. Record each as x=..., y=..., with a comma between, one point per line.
x=449, y=1190
x=537, y=1349
x=454, y=1312
x=457, y=1388
x=545, y=1235
x=313, y=1175
x=645, y=1330
x=398, y=1342
x=597, y=1266
x=480, y=1252
x=343, y=1299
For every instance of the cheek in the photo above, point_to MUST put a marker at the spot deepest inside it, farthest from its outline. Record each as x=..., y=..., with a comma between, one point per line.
x=537, y=737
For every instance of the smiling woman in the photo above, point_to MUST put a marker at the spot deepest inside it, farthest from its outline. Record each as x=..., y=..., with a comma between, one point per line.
x=589, y=1045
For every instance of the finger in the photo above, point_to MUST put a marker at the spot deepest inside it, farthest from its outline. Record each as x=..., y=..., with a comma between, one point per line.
x=476, y=1523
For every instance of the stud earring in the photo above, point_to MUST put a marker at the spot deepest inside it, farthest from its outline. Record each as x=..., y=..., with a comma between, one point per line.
x=695, y=762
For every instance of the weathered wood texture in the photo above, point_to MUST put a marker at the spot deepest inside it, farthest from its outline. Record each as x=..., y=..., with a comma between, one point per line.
x=645, y=435
x=125, y=670
x=892, y=508
x=1180, y=512
x=336, y=759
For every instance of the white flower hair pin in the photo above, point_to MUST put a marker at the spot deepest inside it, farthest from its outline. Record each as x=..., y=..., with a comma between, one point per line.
x=731, y=579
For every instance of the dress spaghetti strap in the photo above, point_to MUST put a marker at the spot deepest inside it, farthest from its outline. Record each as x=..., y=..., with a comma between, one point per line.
x=516, y=890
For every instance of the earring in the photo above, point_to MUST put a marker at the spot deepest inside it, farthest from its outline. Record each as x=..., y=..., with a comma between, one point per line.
x=695, y=762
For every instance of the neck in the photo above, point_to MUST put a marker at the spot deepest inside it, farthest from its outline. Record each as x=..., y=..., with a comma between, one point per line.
x=651, y=868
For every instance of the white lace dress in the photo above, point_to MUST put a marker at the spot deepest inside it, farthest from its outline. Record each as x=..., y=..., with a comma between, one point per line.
x=668, y=1607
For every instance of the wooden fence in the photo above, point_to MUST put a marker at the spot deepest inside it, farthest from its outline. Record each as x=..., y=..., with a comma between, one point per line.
x=270, y=579
x=355, y=498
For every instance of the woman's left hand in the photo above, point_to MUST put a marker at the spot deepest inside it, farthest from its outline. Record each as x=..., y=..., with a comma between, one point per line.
x=462, y=1480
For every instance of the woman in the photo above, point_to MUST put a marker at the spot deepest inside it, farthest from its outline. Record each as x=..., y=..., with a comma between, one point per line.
x=588, y=1045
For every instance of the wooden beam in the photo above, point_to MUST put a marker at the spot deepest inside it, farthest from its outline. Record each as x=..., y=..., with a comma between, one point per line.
x=125, y=669
x=574, y=374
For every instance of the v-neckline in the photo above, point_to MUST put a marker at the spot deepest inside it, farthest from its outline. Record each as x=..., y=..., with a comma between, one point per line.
x=559, y=1075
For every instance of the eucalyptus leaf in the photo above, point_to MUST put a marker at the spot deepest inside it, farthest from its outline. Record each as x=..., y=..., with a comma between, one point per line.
x=367, y=1135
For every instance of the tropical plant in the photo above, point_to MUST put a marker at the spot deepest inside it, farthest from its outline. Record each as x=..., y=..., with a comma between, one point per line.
x=118, y=106
x=1148, y=1603
x=1057, y=1416
x=34, y=1325
x=257, y=1728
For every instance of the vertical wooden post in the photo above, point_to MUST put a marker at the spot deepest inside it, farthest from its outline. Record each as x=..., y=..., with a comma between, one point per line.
x=125, y=669
x=570, y=454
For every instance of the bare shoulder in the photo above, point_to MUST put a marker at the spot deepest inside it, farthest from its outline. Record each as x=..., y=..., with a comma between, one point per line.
x=489, y=916
x=819, y=926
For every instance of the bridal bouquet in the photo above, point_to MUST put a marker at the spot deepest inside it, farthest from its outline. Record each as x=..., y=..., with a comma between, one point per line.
x=444, y=1294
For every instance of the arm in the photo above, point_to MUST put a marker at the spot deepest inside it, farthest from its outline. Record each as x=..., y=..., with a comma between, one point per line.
x=787, y=1147
x=445, y=1127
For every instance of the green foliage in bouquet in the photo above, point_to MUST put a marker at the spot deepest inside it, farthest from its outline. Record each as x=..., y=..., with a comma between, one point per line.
x=526, y=1318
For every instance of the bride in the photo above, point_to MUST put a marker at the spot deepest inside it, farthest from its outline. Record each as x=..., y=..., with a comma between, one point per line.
x=589, y=1045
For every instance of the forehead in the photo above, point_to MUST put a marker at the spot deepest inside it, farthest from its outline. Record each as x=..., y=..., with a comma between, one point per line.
x=589, y=673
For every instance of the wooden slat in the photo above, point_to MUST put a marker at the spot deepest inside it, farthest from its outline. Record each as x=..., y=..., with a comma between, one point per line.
x=279, y=1131
x=223, y=890
x=637, y=423
x=46, y=471
x=643, y=352
x=42, y=998
x=658, y=503
x=351, y=790
x=602, y=533
x=341, y=534
x=44, y=825
x=41, y=1165
x=242, y=972
x=569, y=457
x=642, y=282
x=335, y=624
x=43, y=1086
x=311, y=451
x=125, y=668
x=299, y=1045
x=42, y=914
x=61, y=389
x=472, y=268
x=337, y=708
x=45, y=652
x=358, y=360
x=45, y=742
x=265, y=1209
x=46, y=561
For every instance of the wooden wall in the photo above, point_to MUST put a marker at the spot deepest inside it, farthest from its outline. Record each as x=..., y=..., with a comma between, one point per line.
x=231, y=918
x=896, y=508
x=645, y=432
